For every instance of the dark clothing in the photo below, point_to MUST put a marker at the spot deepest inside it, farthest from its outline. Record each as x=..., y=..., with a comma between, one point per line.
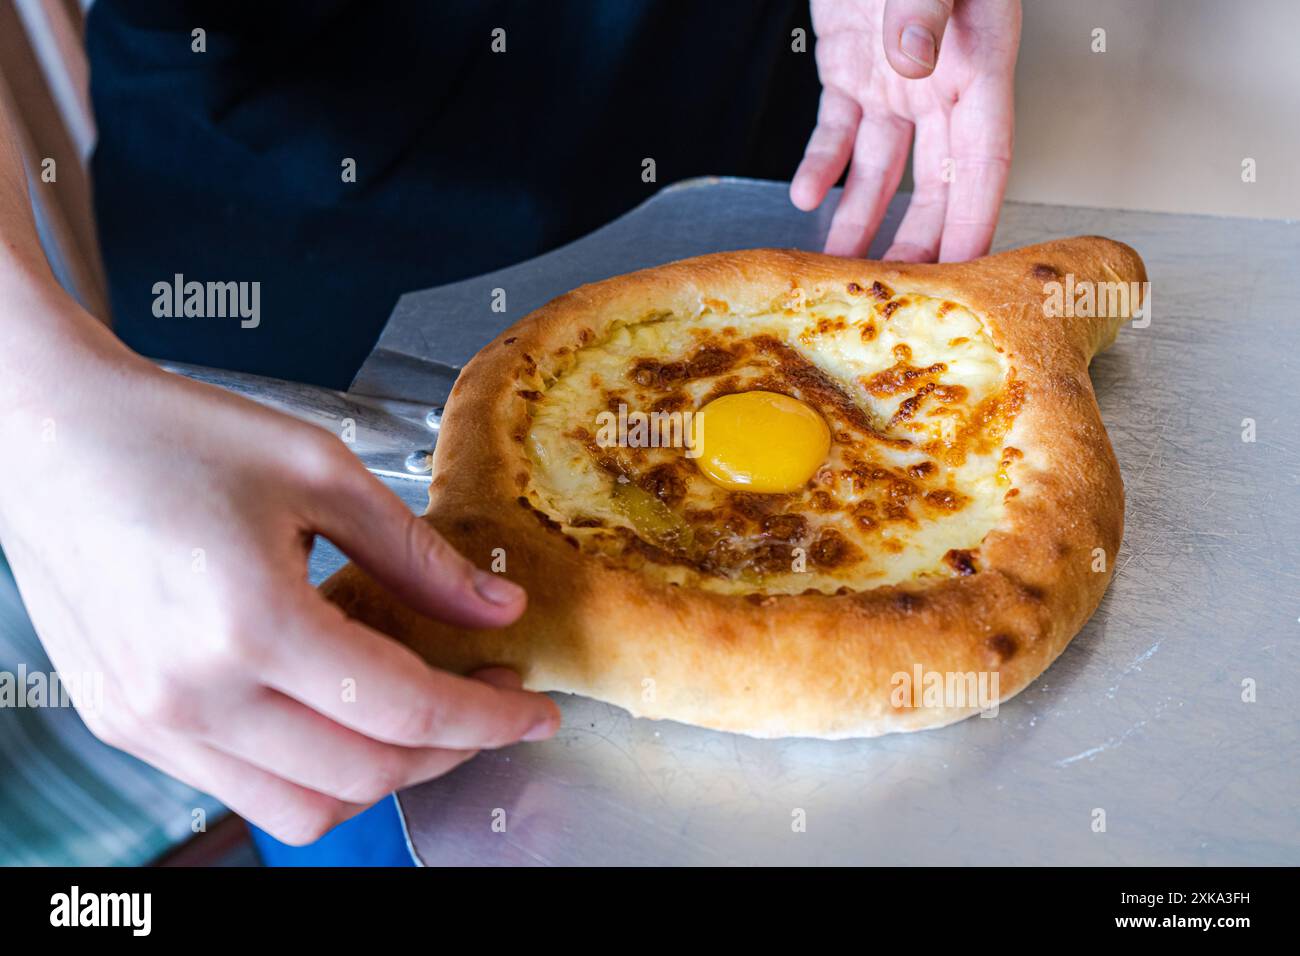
x=225, y=166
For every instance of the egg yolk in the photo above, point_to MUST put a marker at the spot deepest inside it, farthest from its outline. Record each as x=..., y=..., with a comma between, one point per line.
x=761, y=441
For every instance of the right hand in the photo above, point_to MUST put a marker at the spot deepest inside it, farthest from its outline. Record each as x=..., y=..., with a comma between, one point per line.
x=890, y=68
x=159, y=531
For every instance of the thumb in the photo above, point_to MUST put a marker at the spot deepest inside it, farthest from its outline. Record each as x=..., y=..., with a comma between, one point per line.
x=912, y=32
x=408, y=556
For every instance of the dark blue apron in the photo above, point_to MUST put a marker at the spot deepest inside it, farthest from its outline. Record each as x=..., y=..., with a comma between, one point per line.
x=229, y=165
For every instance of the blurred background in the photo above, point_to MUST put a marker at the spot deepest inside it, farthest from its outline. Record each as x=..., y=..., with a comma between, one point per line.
x=1163, y=119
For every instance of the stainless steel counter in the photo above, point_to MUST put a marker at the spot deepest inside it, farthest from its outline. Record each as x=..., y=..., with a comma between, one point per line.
x=1143, y=715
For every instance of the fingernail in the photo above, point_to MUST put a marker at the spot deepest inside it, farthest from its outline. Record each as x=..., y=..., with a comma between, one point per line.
x=917, y=43
x=497, y=590
x=541, y=730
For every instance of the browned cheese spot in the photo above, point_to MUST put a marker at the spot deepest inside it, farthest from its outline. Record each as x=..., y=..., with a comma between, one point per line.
x=945, y=499
x=832, y=549
x=901, y=376
x=785, y=527
x=665, y=482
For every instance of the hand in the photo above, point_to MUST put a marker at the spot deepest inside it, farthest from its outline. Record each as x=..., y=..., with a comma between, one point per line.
x=879, y=83
x=159, y=532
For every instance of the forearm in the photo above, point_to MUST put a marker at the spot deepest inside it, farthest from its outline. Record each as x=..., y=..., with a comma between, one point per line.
x=21, y=260
x=46, y=339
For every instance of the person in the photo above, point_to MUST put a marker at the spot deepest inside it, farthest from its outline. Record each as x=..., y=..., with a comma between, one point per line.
x=478, y=135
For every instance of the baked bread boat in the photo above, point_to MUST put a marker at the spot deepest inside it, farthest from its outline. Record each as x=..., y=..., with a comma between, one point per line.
x=776, y=493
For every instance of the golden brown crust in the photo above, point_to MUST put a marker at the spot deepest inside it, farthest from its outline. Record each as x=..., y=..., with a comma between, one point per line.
x=807, y=665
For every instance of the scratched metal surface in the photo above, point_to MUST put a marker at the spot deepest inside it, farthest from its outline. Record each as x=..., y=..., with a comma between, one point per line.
x=1142, y=716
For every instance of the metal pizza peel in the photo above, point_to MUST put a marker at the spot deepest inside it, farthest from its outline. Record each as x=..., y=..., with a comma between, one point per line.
x=1166, y=733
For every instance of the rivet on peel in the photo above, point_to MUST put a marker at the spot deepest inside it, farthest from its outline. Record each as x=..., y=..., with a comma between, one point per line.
x=419, y=462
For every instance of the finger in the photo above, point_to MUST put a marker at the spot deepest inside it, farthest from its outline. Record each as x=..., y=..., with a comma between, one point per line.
x=918, y=236
x=502, y=678
x=828, y=149
x=284, y=738
x=291, y=813
x=406, y=555
x=912, y=32
x=981, y=132
x=879, y=155
x=377, y=687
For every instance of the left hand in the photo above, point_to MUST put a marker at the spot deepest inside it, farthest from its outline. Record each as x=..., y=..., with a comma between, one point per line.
x=882, y=79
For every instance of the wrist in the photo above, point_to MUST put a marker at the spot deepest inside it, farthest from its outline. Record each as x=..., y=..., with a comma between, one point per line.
x=52, y=350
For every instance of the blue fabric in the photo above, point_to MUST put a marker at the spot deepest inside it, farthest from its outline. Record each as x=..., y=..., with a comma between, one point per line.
x=372, y=838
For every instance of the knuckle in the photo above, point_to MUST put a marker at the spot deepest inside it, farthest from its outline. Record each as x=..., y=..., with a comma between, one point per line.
x=168, y=705
x=320, y=458
x=421, y=723
x=235, y=644
x=374, y=784
x=430, y=551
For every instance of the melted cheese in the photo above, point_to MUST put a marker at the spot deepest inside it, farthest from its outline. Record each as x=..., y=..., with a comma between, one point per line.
x=918, y=400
